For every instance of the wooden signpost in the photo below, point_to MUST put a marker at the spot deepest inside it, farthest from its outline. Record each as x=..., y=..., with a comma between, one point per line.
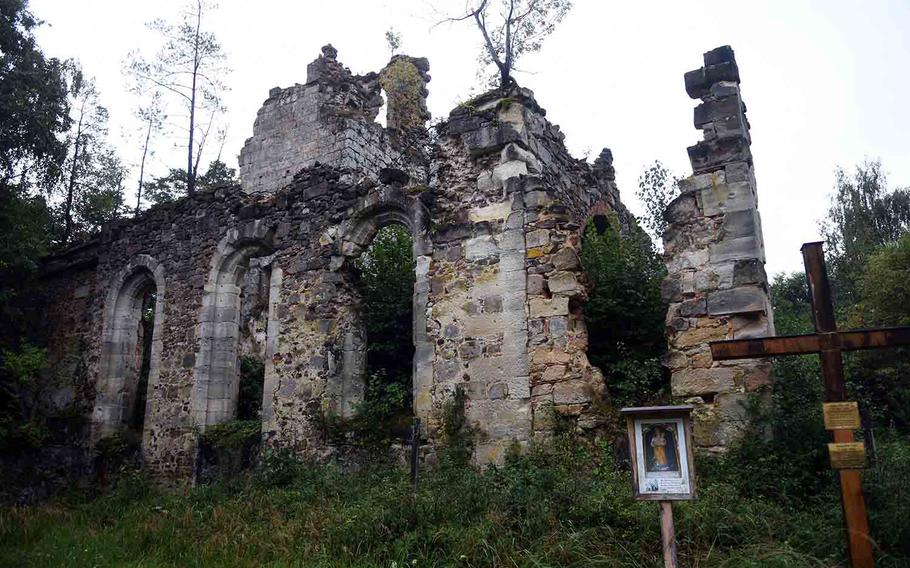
x=841, y=417
x=660, y=444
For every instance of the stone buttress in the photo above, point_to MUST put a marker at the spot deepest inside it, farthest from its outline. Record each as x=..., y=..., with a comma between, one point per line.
x=713, y=248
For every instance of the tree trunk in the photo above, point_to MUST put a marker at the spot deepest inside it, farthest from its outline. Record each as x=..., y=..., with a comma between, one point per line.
x=145, y=149
x=190, y=171
x=71, y=186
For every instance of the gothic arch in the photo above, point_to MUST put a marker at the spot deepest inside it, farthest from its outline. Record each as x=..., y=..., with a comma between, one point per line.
x=386, y=206
x=119, y=371
x=216, y=376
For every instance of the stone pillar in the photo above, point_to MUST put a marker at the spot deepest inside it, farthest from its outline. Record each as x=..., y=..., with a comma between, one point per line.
x=404, y=81
x=716, y=283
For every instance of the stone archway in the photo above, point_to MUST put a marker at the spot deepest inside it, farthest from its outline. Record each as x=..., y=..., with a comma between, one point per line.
x=387, y=206
x=121, y=356
x=216, y=376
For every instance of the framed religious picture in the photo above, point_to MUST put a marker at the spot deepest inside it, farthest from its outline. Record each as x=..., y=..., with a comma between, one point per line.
x=660, y=447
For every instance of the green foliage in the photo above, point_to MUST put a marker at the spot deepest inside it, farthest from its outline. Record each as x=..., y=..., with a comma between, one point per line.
x=392, y=40
x=172, y=186
x=252, y=380
x=387, y=287
x=23, y=386
x=34, y=109
x=885, y=286
x=863, y=216
x=625, y=313
x=562, y=504
x=457, y=433
x=228, y=448
x=657, y=187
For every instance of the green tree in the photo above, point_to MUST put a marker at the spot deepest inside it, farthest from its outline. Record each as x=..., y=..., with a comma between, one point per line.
x=519, y=27
x=657, y=187
x=91, y=180
x=387, y=285
x=172, y=186
x=34, y=108
x=625, y=313
x=880, y=378
x=189, y=67
x=863, y=216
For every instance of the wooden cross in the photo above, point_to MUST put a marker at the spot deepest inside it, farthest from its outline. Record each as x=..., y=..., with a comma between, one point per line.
x=828, y=343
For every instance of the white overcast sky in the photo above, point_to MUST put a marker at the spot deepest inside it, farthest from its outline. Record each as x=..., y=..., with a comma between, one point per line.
x=826, y=82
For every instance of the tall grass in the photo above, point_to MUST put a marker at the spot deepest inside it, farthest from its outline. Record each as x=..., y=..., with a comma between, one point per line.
x=564, y=505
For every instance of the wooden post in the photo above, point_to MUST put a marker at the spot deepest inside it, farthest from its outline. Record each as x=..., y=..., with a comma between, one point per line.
x=828, y=343
x=852, y=500
x=667, y=536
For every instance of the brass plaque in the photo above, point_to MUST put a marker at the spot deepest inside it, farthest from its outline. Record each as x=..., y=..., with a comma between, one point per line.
x=849, y=455
x=841, y=415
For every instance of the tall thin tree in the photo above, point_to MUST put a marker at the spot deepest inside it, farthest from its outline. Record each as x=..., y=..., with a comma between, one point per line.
x=152, y=116
x=189, y=66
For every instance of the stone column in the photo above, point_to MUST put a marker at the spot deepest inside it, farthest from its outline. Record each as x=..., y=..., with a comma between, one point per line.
x=714, y=251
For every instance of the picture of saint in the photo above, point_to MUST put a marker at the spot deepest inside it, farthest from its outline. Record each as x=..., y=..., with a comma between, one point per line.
x=660, y=448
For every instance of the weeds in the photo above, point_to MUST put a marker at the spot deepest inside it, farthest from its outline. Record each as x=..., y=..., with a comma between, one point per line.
x=560, y=505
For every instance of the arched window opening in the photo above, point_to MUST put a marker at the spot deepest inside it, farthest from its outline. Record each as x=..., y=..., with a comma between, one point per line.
x=230, y=365
x=386, y=283
x=131, y=349
x=254, y=306
x=624, y=313
x=144, y=343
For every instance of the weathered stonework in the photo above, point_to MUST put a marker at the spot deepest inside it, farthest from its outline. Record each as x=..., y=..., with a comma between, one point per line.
x=496, y=213
x=714, y=251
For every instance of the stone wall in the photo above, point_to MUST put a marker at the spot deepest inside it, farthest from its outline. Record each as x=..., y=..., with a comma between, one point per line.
x=268, y=268
x=716, y=286
x=329, y=120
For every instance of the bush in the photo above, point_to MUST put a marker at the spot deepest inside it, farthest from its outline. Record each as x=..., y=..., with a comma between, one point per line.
x=228, y=448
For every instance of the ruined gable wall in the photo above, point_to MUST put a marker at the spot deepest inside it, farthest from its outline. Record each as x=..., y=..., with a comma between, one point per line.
x=716, y=283
x=329, y=120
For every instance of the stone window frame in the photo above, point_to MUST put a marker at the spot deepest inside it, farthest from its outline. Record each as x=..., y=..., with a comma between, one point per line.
x=216, y=373
x=385, y=206
x=119, y=340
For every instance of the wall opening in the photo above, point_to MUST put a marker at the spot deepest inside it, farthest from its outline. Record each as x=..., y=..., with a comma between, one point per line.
x=230, y=366
x=130, y=355
x=144, y=342
x=386, y=275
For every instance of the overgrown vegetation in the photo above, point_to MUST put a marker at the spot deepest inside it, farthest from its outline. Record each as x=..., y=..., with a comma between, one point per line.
x=387, y=287
x=560, y=505
x=625, y=313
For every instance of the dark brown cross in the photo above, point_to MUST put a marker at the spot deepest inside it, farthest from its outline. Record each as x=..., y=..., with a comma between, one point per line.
x=828, y=343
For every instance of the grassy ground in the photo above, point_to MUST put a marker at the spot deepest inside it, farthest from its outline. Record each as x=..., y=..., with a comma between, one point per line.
x=564, y=506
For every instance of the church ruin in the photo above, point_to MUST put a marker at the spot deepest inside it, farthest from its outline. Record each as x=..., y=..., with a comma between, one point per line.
x=496, y=207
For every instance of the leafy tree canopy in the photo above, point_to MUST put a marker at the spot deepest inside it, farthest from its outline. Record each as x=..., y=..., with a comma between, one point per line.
x=34, y=108
x=172, y=186
x=625, y=313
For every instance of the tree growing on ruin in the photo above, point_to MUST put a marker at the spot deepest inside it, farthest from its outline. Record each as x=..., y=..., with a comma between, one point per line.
x=190, y=68
x=512, y=28
x=657, y=187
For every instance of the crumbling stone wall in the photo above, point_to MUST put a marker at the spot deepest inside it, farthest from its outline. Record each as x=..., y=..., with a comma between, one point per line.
x=499, y=292
x=716, y=283
x=329, y=120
